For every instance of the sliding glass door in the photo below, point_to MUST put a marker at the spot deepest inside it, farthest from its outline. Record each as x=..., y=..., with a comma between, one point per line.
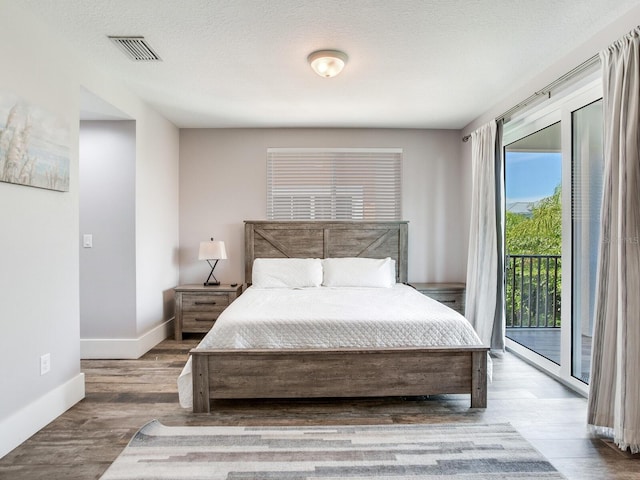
x=553, y=184
x=533, y=185
x=586, y=179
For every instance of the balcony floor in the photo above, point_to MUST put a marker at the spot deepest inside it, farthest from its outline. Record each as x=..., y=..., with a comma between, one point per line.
x=546, y=342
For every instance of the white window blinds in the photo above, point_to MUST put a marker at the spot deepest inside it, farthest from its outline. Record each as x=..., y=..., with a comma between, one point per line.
x=334, y=184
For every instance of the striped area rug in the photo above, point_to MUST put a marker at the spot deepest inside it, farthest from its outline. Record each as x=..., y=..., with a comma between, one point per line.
x=391, y=452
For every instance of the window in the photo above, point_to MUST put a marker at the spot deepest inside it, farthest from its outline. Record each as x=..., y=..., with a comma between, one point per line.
x=334, y=184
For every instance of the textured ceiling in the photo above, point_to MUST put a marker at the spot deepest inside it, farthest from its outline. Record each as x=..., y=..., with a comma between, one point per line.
x=412, y=63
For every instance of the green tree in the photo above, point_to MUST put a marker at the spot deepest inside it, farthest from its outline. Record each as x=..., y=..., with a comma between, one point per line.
x=537, y=234
x=533, y=283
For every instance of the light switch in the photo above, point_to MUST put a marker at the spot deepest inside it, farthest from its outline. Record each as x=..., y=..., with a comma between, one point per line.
x=87, y=240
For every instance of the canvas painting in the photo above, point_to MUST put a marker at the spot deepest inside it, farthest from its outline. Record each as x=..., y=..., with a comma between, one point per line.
x=34, y=145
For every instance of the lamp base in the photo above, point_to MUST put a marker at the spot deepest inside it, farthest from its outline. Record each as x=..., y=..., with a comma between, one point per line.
x=208, y=281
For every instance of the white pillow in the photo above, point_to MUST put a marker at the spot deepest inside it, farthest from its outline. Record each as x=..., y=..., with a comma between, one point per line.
x=358, y=272
x=286, y=272
x=392, y=268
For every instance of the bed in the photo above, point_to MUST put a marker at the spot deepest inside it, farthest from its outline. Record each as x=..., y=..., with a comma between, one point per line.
x=342, y=360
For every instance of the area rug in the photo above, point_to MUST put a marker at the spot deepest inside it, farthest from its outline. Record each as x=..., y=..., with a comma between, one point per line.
x=452, y=451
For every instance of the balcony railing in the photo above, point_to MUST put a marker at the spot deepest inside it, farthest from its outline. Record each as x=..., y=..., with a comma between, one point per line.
x=533, y=291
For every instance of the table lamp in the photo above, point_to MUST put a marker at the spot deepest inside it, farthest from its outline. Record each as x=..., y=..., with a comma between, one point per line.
x=210, y=251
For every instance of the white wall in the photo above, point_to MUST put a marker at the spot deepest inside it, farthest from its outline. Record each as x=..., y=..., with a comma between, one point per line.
x=38, y=248
x=223, y=182
x=157, y=155
x=107, y=212
x=39, y=245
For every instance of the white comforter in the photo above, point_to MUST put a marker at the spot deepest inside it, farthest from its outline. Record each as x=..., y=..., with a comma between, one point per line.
x=325, y=317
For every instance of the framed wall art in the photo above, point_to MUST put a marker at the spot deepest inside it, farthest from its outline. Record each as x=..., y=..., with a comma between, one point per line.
x=34, y=145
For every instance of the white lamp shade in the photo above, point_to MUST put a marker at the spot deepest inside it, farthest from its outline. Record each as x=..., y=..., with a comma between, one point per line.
x=327, y=63
x=212, y=250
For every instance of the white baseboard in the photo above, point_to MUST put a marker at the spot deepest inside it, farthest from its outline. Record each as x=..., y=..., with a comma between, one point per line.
x=25, y=422
x=124, y=348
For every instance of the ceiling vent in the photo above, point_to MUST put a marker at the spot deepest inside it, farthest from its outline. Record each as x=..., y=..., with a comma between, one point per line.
x=136, y=48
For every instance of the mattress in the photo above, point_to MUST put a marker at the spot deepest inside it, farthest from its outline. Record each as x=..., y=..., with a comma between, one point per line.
x=322, y=317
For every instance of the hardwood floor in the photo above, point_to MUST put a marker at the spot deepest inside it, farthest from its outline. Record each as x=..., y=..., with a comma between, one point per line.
x=123, y=395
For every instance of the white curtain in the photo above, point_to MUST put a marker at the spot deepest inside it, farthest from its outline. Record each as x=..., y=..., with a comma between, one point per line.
x=483, y=307
x=614, y=397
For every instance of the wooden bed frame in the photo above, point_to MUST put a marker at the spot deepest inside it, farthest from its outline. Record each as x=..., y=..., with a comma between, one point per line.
x=348, y=372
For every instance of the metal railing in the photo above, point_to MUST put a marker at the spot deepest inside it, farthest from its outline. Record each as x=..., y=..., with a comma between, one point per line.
x=533, y=291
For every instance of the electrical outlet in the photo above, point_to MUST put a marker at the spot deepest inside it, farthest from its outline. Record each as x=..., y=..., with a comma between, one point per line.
x=45, y=363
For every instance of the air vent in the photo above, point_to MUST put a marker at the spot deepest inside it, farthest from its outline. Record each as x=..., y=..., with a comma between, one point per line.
x=136, y=48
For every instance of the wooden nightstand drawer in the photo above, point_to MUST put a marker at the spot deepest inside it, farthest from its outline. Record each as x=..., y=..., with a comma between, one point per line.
x=198, y=321
x=198, y=307
x=192, y=302
x=450, y=294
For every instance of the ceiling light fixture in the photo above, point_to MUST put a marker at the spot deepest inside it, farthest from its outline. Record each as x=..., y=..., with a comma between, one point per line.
x=327, y=63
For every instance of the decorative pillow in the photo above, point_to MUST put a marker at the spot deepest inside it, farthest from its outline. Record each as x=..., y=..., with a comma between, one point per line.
x=358, y=272
x=392, y=268
x=286, y=272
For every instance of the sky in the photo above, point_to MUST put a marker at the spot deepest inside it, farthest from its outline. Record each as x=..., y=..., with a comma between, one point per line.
x=530, y=176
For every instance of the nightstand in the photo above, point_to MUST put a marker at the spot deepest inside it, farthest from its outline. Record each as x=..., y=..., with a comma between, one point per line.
x=198, y=307
x=450, y=294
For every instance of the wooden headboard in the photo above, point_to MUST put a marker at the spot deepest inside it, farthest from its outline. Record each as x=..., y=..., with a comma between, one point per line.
x=295, y=239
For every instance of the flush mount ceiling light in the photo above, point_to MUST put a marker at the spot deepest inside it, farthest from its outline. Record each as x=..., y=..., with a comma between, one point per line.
x=327, y=63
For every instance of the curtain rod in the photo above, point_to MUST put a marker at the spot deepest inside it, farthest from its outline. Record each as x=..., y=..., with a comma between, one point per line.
x=546, y=91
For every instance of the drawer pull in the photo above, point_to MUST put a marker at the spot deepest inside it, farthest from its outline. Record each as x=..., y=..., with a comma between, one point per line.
x=205, y=303
x=203, y=319
x=447, y=301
